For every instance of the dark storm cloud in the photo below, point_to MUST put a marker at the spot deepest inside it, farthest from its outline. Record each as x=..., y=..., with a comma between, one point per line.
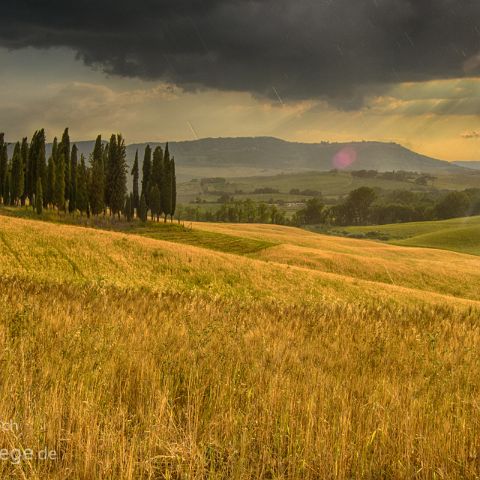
x=283, y=49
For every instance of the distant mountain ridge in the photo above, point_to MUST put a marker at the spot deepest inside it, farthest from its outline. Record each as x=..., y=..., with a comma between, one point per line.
x=475, y=165
x=242, y=156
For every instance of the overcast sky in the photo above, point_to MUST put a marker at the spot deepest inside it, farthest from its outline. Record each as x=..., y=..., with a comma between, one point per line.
x=306, y=70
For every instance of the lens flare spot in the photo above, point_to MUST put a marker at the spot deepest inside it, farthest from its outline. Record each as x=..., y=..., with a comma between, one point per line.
x=344, y=158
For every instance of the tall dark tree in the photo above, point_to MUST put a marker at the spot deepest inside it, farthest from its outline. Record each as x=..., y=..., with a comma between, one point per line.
x=82, y=186
x=39, y=197
x=128, y=208
x=52, y=173
x=97, y=179
x=174, y=189
x=116, y=184
x=59, y=196
x=7, y=186
x=132, y=208
x=55, y=151
x=18, y=181
x=166, y=185
x=157, y=168
x=31, y=169
x=106, y=163
x=50, y=191
x=143, y=209
x=155, y=202
x=36, y=164
x=3, y=165
x=109, y=170
x=24, y=155
x=41, y=161
x=135, y=173
x=64, y=149
x=146, y=172
x=72, y=201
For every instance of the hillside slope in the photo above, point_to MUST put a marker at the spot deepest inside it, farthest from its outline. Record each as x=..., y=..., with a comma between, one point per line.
x=133, y=357
x=473, y=164
x=465, y=239
x=266, y=152
x=416, y=268
x=259, y=155
x=83, y=256
x=457, y=234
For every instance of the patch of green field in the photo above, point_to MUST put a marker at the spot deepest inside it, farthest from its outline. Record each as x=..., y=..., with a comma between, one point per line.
x=200, y=238
x=330, y=184
x=465, y=240
x=170, y=232
x=457, y=234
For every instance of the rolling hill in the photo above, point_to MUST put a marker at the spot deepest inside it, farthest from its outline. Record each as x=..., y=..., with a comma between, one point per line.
x=250, y=156
x=475, y=165
x=135, y=354
x=272, y=154
x=457, y=234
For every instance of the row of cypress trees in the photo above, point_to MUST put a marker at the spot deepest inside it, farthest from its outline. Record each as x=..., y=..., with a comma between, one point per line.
x=65, y=182
x=159, y=189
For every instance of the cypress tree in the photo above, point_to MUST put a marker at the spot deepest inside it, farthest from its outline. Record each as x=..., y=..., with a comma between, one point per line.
x=24, y=155
x=82, y=188
x=50, y=191
x=105, y=159
x=128, y=208
x=52, y=173
x=42, y=163
x=117, y=174
x=31, y=169
x=135, y=174
x=3, y=166
x=110, y=171
x=55, y=149
x=7, y=186
x=72, y=202
x=156, y=178
x=174, y=189
x=142, y=209
x=37, y=165
x=166, y=185
x=11, y=200
x=157, y=168
x=97, y=179
x=146, y=172
x=132, y=208
x=39, y=197
x=155, y=202
x=64, y=149
x=18, y=180
x=60, y=183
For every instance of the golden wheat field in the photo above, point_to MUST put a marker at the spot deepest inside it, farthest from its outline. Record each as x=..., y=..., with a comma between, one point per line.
x=314, y=358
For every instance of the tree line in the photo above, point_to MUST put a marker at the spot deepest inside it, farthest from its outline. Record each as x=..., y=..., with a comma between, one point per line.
x=236, y=211
x=367, y=206
x=362, y=206
x=66, y=182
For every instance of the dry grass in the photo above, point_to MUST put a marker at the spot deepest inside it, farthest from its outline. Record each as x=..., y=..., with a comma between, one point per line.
x=426, y=269
x=134, y=358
